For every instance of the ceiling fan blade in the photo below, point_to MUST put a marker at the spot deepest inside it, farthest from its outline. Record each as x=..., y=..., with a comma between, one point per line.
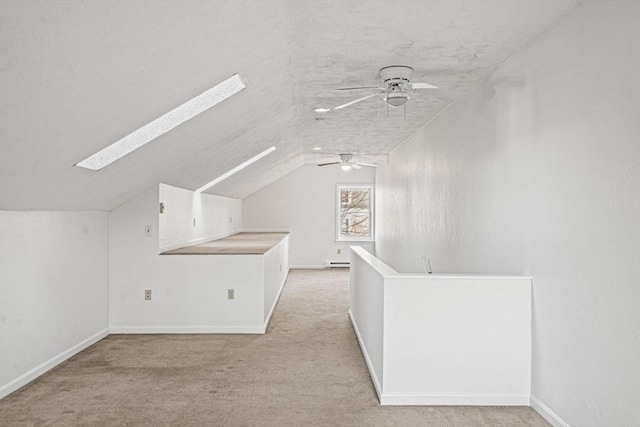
x=373, y=165
x=355, y=166
x=360, y=88
x=356, y=101
x=423, y=86
x=332, y=163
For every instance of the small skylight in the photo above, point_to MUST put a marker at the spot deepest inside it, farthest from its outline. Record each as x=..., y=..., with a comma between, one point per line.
x=164, y=124
x=236, y=169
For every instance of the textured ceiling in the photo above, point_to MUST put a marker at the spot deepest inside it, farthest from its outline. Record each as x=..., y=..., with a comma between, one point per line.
x=77, y=76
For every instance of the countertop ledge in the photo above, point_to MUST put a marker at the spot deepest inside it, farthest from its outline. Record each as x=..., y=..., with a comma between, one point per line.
x=244, y=243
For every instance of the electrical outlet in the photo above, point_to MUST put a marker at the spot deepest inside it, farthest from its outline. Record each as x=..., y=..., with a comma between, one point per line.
x=194, y=222
x=339, y=251
x=147, y=230
x=231, y=294
x=230, y=219
x=147, y=294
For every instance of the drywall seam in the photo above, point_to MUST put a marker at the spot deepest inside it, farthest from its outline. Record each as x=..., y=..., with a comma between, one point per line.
x=546, y=413
x=367, y=359
x=46, y=366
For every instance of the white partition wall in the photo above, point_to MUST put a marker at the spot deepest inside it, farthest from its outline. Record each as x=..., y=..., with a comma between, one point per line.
x=189, y=292
x=442, y=339
x=366, y=309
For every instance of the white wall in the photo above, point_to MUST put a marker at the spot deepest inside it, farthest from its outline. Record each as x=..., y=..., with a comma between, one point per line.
x=215, y=217
x=189, y=292
x=538, y=172
x=473, y=343
x=442, y=339
x=366, y=310
x=53, y=290
x=304, y=202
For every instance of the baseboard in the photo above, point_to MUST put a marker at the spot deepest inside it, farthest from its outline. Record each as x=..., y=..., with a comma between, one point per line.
x=257, y=329
x=374, y=377
x=275, y=303
x=307, y=267
x=452, y=400
x=546, y=413
x=34, y=373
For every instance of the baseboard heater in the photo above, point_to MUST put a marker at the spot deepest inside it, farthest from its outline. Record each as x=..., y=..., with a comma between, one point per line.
x=336, y=264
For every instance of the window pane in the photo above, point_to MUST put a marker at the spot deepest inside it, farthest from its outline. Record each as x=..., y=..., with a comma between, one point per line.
x=355, y=215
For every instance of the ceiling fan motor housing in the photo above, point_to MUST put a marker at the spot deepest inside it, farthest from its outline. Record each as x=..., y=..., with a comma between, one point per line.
x=398, y=79
x=396, y=75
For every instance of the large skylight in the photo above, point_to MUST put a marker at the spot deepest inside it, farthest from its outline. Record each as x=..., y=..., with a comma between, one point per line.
x=164, y=124
x=236, y=169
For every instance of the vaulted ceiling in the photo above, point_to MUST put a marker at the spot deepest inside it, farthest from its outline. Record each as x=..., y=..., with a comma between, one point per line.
x=77, y=76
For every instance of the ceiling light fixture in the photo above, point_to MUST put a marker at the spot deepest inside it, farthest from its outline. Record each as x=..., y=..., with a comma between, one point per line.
x=236, y=169
x=317, y=148
x=322, y=110
x=164, y=123
x=346, y=167
x=396, y=99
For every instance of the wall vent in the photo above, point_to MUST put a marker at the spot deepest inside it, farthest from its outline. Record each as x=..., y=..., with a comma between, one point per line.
x=336, y=264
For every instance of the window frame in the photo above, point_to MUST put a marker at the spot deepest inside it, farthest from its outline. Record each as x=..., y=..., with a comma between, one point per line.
x=338, y=211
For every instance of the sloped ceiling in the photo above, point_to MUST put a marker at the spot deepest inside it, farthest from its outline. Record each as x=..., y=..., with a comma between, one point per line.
x=77, y=76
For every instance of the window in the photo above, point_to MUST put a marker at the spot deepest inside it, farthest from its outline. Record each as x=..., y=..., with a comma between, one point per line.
x=354, y=212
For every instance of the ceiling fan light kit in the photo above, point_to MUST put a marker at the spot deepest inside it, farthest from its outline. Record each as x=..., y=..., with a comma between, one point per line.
x=396, y=99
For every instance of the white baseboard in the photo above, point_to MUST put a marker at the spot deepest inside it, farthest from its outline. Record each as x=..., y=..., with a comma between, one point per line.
x=374, y=377
x=275, y=303
x=546, y=413
x=34, y=373
x=452, y=400
x=257, y=329
x=307, y=267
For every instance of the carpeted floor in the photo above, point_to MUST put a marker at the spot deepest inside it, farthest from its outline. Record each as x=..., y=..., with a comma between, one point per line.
x=307, y=370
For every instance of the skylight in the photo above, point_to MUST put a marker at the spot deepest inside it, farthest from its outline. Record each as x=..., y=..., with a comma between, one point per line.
x=236, y=169
x=164, y=124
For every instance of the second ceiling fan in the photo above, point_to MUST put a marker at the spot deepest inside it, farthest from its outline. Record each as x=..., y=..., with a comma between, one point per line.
x=346, y=163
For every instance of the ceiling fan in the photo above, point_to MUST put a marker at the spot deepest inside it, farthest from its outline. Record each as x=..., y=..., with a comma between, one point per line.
x=396, y=87
x=346, y=163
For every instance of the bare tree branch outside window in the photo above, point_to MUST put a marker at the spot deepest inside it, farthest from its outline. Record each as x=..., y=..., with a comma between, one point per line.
x=355, y=215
